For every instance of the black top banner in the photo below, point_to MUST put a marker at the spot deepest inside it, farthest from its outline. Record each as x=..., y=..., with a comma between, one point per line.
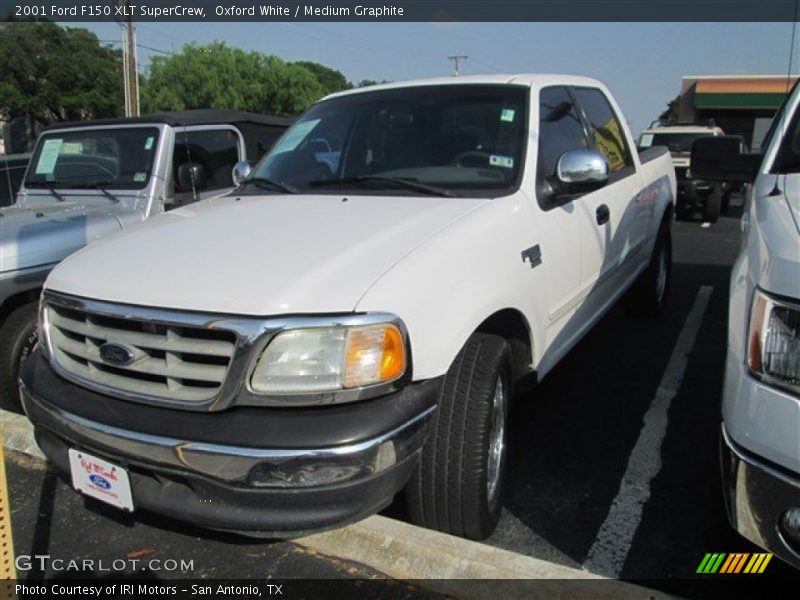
x=400, y=10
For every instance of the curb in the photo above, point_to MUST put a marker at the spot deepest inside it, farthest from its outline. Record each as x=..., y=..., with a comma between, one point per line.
x=432, y=560
x=18, y=434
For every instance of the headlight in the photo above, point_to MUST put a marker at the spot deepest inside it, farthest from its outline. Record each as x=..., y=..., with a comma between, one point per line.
x=773, y=341
x=302, y=361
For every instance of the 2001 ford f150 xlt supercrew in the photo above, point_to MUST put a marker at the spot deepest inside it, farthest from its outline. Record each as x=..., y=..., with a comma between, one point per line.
x=88, y=179
x=760, y=434
x=355, y=318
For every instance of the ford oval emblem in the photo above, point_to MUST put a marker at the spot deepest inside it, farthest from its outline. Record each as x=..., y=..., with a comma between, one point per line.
x=100, y=481
x=116, y=355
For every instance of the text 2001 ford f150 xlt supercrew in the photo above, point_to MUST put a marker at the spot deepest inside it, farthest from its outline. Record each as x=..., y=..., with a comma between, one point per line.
x=354, y=319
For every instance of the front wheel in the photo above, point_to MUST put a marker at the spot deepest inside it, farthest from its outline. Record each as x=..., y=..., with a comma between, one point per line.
x=458, y=485
x=18, y=338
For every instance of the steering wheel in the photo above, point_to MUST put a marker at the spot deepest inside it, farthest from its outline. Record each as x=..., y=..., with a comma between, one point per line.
x=458, y=160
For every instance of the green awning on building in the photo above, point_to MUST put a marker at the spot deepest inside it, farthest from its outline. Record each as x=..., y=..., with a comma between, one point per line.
x=738, y=100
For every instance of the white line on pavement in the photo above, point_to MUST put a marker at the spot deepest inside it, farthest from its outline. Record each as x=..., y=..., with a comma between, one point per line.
x=705, y=224
x=610, y=549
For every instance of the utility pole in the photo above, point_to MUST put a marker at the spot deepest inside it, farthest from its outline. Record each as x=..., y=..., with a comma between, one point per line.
x=130, y=73
x=457, y=58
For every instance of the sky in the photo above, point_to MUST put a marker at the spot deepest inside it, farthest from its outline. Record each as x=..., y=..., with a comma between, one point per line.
x=641, y=63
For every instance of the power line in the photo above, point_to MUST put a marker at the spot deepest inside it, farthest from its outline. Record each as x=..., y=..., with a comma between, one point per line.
x=138, y=45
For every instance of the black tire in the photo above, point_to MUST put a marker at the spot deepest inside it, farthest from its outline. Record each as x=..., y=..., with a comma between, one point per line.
x=18, y=337
x=713, y=206
x=726, y=200
x=449, y=489
x=648, y=295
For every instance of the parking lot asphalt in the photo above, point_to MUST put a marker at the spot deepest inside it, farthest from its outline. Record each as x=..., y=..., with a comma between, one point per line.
x=572, y=438
x=581, y=463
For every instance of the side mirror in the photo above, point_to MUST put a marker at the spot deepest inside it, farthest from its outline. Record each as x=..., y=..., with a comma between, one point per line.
x=241, y=171
x=722, y=158
x=192, y=176
x=582, y=171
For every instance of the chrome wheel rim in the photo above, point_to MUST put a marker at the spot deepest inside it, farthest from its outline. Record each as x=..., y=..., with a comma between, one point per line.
x=496, y=441
x=661, y=276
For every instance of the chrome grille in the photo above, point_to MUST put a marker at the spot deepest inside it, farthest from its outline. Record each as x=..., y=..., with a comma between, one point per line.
x=169, y=361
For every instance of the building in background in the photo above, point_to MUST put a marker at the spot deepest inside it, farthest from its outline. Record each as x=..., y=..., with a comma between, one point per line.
x=739, y=104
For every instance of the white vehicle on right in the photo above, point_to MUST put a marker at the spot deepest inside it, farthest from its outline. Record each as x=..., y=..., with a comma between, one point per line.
x=760, y=447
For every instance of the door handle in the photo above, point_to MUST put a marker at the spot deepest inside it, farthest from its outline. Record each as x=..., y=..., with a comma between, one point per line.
x=602, y=214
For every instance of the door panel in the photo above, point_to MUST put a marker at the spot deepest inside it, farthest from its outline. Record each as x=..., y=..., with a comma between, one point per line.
x=560, y=130
x=609, y=248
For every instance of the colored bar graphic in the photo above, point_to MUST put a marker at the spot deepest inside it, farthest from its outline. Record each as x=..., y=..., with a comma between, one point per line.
x=767, y=558
x=737, y=562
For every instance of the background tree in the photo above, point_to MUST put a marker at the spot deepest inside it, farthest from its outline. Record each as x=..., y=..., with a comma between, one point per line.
x=670, y=114
x=368, y=82
x=218, y=76
x=51, y=73
x=331, y=79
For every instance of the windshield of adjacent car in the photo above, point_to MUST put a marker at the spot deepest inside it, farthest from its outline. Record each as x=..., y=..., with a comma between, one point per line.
x=676, y=142
x=788, y=157
x=115, y=158
x=464, y=139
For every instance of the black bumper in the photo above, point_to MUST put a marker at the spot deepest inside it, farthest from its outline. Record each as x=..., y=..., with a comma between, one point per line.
x=277, y=472
x=758, y=498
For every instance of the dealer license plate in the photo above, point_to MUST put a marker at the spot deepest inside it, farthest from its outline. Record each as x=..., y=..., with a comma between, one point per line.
x=100, y=479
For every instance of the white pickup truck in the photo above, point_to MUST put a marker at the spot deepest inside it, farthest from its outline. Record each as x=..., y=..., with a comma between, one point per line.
x=761, y=398
x=355, y=319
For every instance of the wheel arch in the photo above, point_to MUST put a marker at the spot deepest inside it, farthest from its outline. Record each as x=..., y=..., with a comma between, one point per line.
x=511, y=324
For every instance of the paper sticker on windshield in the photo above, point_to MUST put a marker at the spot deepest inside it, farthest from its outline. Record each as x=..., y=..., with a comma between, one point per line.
x=298, y=133
x=646, y=141
x=497, y=160
x=48, y=157
x=148, y=143
x=507, y=115
x=138, y=177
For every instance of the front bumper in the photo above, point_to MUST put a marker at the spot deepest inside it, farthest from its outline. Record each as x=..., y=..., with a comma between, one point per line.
x=757, y=497
x=277, y=472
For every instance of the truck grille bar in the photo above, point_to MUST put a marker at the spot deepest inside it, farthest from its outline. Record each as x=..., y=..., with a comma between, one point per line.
x=166, y=360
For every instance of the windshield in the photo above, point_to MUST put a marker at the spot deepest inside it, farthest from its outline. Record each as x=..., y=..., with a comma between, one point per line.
x=86, y=158
x=788, y=158
x=676, y=142
x=463, y=139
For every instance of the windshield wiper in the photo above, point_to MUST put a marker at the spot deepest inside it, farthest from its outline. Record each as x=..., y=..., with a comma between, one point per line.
x=100, y=186
x=406, y=183
x=51, y=187
x=269, y=184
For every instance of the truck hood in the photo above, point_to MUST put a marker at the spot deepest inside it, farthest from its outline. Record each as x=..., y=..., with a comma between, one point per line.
x=259, y=255
x=45, y=233
x=779, y=233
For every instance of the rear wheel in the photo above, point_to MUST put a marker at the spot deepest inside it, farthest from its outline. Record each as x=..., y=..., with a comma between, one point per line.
x=648, y=294
x=18, y=337
x=713, y=206
x=458, y=485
